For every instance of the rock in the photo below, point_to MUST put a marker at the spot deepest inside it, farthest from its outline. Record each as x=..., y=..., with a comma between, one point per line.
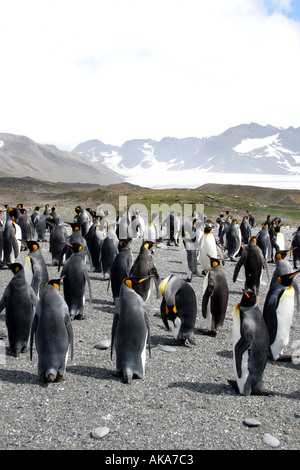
x=252, y=422
x=99, y=432
x=103, y=344
x=270, y=440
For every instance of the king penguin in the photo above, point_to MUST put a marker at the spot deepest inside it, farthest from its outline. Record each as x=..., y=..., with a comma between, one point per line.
x=36, y=271
x=208, y=248
x=130, y=332
x=75, y=279
x=234, y=240
x=20, y=301
x=53, y=334
x=215, y=297
x=121, y=267
x=250, y=343
x=296, y=248
x=254, y=262
x=278, y=313
x=11, y=236
x=178, y=308
x=188, y=255
x=144, y=267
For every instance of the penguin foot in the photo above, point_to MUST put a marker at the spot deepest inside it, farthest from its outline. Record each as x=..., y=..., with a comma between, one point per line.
x=207, y=332
x=234, y=385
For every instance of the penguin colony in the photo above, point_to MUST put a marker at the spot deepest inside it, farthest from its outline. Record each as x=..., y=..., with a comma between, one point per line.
x=39, y=311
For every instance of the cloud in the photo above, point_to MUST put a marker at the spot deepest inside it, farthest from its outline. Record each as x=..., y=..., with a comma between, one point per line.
x=123, y=69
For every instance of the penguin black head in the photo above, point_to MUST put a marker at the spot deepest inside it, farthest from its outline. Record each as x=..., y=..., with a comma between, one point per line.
x=287, y=279
x=54, y=283
x=75, y=227
x=31, y=245
x=133, y=281
x=76, y=247
x=214, y=262
x=208, y=228
x=15, y=267
x=281, y=254
x=249, y=299
x=124, y=243
x=148, y=245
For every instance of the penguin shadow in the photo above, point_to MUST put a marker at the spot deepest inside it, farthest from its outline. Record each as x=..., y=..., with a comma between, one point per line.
x=18, y=377
x=98, y=373
x=107, y=306
x=207, y=388
x=157, y=340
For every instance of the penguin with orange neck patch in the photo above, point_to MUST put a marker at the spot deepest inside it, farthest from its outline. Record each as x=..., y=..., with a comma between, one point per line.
x=278, y=313
x=178, y=308
x=130, y=332
x=250, y=341
x=53, y=334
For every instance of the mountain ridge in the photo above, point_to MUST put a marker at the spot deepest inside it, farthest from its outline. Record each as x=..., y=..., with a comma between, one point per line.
x=246, y=148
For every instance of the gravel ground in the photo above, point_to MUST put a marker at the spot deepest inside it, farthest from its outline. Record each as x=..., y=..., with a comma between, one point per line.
x=184, y=402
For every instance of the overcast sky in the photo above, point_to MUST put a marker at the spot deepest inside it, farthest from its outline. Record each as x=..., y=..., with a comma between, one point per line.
x=116, y=70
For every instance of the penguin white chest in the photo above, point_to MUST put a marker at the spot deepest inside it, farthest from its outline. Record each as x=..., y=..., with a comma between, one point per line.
x=175, y=326
x=285, y=311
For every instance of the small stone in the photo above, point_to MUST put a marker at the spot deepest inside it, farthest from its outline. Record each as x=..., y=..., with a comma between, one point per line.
x=297, y=414
x=99, y=432
x=270, y=440
x=166, y=348
x=103, y=344
x=252, y=422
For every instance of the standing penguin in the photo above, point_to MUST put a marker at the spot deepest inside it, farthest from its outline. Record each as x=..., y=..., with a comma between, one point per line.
x=245, y=230
x=234, y=240
x=250, y=343
x=75, y=279
x=215, y=296
x=264, y=242
x=278, y=313
x=178, y=308
x=208, y=248
x=82, y=219
x=20, y=301
x=94, y=240
x=188, y=255
x=121, y=267
x=53, y=334
x=11, y=236
x=109, y=250
x=296, y=248
x=36, y=271
x=58, y=237
x=130, y=332
x=143, y=267
x=253, y=261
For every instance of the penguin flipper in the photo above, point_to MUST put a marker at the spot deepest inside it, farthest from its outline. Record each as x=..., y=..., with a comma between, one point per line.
x=237, y=268
x=32, y=333
x=148, y=328
x=207, y=294
x=68, y=324
x=241, y=346
x=113, y=331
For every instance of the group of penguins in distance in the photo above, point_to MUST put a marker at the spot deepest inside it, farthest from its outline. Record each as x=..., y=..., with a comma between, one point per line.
x=36, y=311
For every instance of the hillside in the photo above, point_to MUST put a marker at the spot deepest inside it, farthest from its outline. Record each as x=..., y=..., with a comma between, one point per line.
x=216, y=198
x=22, y=157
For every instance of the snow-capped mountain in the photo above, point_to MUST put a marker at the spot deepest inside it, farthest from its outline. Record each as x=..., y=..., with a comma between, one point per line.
x=247, y=148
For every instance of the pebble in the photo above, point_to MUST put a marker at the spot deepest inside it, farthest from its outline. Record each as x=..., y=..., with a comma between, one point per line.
x=99, y=432
x=103, y=344
x=252, y=422
x=166, y=348
x=270, y=440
